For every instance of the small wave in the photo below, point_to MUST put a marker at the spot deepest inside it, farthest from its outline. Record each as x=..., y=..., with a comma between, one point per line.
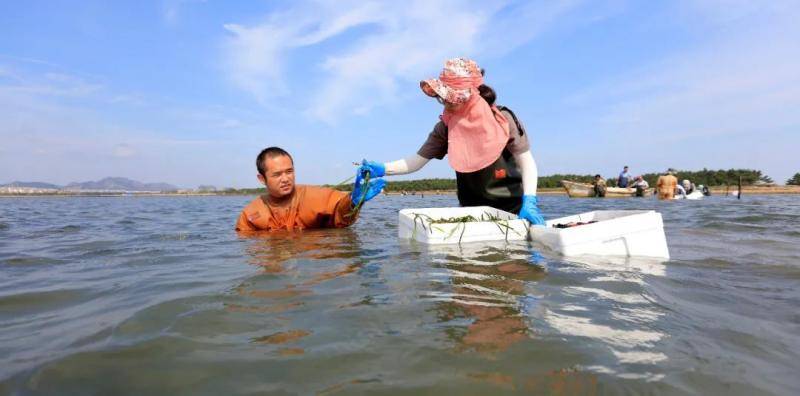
x=281, y=337
x=30, y=260
x=639, y=357
x=583, y=327
x=67, y=229
x=622, y=298
x=28, y=302
x=4, y=226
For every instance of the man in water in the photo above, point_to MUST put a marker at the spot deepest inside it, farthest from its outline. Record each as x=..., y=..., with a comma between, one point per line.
x=624, y=178
x=599, y=186
x=667, y=184
x=288, y=207
x=640, y=185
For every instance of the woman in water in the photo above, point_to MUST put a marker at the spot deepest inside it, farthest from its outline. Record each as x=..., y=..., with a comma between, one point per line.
x=485, y=144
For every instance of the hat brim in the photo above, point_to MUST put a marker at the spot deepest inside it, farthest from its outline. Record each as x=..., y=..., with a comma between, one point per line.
x=434, y=87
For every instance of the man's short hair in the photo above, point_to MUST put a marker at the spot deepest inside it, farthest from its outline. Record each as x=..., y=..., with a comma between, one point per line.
x=270, y=152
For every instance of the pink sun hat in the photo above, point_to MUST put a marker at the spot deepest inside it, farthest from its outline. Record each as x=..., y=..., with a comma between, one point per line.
x=459, y=77
x=477, y=132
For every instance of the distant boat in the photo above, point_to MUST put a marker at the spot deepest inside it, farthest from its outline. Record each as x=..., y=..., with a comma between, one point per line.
x=583, y=190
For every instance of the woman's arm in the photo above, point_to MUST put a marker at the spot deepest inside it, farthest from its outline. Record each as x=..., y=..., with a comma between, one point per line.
x=406, y=165
x=530, y=173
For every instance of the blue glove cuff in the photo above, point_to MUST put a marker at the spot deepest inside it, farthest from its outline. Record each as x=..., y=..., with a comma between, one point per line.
x=376, y=169
x=530, y=199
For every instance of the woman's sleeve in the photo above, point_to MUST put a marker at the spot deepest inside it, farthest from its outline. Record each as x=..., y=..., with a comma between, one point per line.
x=410, y=164
x=518, y=142
x=530, y=173
x=436, y=144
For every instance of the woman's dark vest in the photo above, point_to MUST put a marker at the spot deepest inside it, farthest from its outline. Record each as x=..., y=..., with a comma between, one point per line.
x=499, y=185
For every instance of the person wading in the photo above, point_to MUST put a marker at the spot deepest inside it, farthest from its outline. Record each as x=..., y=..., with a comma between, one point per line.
x=289, y=207
x=666, y=185
x=487, y=145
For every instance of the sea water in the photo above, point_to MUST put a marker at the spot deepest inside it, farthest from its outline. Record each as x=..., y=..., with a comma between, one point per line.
x=158, y=295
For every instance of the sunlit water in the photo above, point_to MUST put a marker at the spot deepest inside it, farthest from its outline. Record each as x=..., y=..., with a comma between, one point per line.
x=160, y=296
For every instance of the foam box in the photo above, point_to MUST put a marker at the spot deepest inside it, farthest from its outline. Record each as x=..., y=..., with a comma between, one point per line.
x=629, y=233
x=416, y=224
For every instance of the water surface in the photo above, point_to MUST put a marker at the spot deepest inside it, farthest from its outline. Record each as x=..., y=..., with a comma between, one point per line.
x=149, y=295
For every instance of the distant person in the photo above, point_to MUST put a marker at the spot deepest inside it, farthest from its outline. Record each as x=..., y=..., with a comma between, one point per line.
x=485, y=144
x=289, y=207
x=599, y=186
x=680, y=191
x=666, y=185
x=624, y=178
x=688, y=186
x=640, y=185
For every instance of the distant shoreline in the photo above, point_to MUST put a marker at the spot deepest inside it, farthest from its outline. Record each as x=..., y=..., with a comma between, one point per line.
x=720, y=190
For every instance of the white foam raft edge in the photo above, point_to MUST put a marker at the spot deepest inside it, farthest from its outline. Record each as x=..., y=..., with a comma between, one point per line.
x=631, y=233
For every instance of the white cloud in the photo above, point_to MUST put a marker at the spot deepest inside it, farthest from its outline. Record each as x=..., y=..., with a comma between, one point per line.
x=747, y=81
x=49, y=84
x=738, y=82
x=397, y=43
x=171, y=9
x=49, y=118
x=124, y=150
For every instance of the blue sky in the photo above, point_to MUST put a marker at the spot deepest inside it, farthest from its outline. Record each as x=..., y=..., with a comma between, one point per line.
x=188, y=92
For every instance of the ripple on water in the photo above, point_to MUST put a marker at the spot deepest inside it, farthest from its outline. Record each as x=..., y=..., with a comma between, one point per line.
x=167, y=284
x=35, y=302
x=30, y=260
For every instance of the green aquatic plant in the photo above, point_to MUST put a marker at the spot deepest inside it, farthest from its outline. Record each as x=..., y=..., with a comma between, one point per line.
x=461, y=224
x=360, y=203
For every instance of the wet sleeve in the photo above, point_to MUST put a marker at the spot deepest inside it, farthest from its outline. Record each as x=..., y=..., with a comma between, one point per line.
x=436, y=145
x=338, y=210
x=242, y=224
x=517, y=137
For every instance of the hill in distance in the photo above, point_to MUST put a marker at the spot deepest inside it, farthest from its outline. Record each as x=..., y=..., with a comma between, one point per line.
x=120, y=184
x=31, y=185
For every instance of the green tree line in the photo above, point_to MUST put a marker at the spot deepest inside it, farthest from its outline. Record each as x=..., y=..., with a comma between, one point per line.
x=707, y=177
x=794, y=181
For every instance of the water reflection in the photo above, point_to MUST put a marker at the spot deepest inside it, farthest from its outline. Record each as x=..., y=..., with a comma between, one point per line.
x=480, y=290
x=293, y=263
x=613, y=309
x=271, y=250
x=628, y=267
x=569, y=381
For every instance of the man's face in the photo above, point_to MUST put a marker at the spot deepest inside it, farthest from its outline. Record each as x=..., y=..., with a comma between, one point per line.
x=279, y=176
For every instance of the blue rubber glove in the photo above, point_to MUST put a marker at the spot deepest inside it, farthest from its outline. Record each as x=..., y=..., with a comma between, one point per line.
x=376, y=169
x=374, y=188
x=530, y=211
